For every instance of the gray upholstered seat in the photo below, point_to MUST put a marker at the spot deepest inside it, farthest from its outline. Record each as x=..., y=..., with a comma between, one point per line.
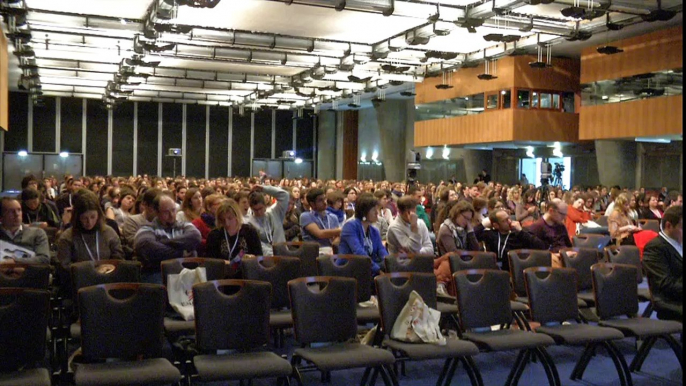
x=121, y=321
x=589, y=240
x=24, y=319
x=521, y=259
x=19, y=275
x=394, y=291
x=249, y=365
x=328, y=315
x=581, y=259
x=234, y=315
x=579, y=302
x=615, y=288
x=629, y=254
x=483, y=298
x=281, y=319
x=553, y=298
x=306, y=251
x=409, y=263
x=345, y=356
x=30, y=377
x=156, y=371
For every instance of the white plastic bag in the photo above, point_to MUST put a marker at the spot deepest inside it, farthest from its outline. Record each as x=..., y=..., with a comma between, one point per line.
x=418, y=323
x=180, y=290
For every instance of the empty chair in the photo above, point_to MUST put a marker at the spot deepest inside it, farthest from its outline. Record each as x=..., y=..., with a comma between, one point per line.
x=602, y=221
x=24, y=314
x=19, y=275
x=651, y=225
x=278, y=271
x=214, y=270
x=466, y=260
x=358, y=268
x=327, y=315
x=581, y=259
x=552, y=297
x=307, y=251
x=409, y=263
x=614, y=286
x=123, y=321
x=521, y=259
x=392, y=298
x=483, y=298
x=589, y=240
x=234, y=315
x=629, y=254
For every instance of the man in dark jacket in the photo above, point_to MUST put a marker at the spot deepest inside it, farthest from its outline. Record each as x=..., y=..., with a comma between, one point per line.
x=663, y=260
x=506, y=235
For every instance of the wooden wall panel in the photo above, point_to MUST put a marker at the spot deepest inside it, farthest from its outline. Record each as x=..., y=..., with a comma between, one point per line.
x=563, y=76
x=642, y=118
x=492, y=126
x=465, y=82
x=350, y=127
x=546, y=126
x=656, y=51
x=4, y=80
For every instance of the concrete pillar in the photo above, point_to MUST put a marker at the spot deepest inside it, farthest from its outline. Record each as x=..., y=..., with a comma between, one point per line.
x=616, y=162
x=326, y=143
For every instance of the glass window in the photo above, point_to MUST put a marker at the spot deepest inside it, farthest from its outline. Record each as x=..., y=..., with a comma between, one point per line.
x=556, y=101
x=568, y=103
x=466, y=105
x=506, y=99
x=534, y=99
x=523, y=99
x=492, y=101
x=546, y=100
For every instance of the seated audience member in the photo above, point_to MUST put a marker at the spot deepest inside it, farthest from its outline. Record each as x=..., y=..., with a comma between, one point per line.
x=506, y=235
x=232, y=238
x=576, y=216
x=121, y=207
x=165, y=238
x=674, y=198
x=384, y=217
x=350, y=194
x=416, y=192
x=295, y=193
x=304, y=204
x=268, y=220
x=180, y=194
x=619, y=224
x=445, y=194
x=291, y=223
x=663, y=260
x=31, y=239
x=407, y=234
x=35, y=212
x=191, y=206
x=456, y=232
x=64, y=200
x=615, y=191
x=89, y=238
x=527, y=211
x=243, y=203
x=206, y=222
x=589, y=204
x=551, y=229
x=633, y=208
x=480, y=205
x=514, y=197
x=334, y=202
x=317, y=224
x=134, y=222
x=650, y=209
x=360, y=237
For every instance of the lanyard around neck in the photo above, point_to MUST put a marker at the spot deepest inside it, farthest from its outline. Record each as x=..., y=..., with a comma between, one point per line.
x=97, y=246
x=328, y=220
x=228, y=244
x=501, y=251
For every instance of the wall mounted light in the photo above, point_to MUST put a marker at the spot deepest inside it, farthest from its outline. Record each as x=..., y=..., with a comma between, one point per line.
x=375, y=156
x=557, y=150
x=22, y=153
x=530, y=152
x=298, y=160
x=64, y=154
x=446, y=152
x=429, y=152
x=364, y=157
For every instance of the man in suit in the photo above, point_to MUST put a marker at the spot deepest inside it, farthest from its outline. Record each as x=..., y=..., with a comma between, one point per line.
x=663, y=260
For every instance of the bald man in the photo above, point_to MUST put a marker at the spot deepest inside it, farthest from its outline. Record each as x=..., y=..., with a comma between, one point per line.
x=550, y=228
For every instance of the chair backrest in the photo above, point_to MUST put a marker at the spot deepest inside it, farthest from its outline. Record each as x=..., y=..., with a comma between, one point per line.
x=483, y=298
x=615, y=290
x=650, y=224
x=626, y=254
x=409, y=263
x=214, y=268
x=580, y=259
x=122, y=320
x=590, y=240
x=552, y=294
x=352, y=266
x=277, y=270
x=327, y=314
x=521, y=259
x=602, y=221
x=24, y=319
x=51, y=232
x=231, y=314
x=307, y=251
x=394, y=290
x=88, y=273
x=464, y=260
x=19, y=275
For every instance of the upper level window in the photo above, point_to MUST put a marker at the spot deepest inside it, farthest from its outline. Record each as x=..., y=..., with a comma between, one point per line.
x=650, y=85
x=548, y=100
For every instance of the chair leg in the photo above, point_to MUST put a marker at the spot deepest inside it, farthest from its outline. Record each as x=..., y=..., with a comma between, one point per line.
x=442, y=375
x=392, y=375
x=365, y=376
x=521, y=356
x=451, y=372
x=549, y=365
x=648, y=311
x=295, y=361
x=676, y=347
x=642, y=354
x=522, y=366
x=475, y=370
x=582, y=362
x=469, y=370
x=375, y=373
x=386, y=376
x=620, y=363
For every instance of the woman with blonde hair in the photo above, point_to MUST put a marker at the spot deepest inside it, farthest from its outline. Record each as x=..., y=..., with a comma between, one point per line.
x=206, y=222
x=191, y=206
x=514, y=197
x=619, y=223
x=232, y=239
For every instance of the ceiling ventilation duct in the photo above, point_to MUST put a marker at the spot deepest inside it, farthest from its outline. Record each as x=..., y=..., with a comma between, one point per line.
x=578, y=34
x=194, y=3
x=413, y=38
x=441, y=55
x=584, y=13
x=469, y=23
x=384, y=7
x=395, y=69
x=537, y=2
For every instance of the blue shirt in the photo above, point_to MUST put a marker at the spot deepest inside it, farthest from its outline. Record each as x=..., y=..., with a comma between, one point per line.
x=328, y=221
x=355, y=242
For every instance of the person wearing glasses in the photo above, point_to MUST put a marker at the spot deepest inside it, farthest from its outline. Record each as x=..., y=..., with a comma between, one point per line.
x=551, y=229
x=506, y=235
x=456, y=233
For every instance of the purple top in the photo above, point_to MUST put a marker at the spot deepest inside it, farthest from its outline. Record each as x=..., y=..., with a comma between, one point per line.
x=554, y=237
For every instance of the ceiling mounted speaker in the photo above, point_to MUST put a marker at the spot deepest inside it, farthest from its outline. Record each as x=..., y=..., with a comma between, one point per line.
x=659, y=14
x=407, y=93
x=441, y=55
x=537, y=2
x=486, y=77
x=199, y=3
x=609, y=50
x=539, y=65
x=413, y=39
x=443, y=86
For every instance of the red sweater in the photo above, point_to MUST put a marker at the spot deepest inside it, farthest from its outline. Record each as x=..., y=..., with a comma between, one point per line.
x=204, y=231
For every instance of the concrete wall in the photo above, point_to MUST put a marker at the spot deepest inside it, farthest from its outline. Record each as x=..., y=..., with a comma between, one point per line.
x=326, y=145
x=616, y=162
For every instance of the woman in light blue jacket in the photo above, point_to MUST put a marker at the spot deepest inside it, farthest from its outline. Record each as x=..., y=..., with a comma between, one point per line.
x=360, y=237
